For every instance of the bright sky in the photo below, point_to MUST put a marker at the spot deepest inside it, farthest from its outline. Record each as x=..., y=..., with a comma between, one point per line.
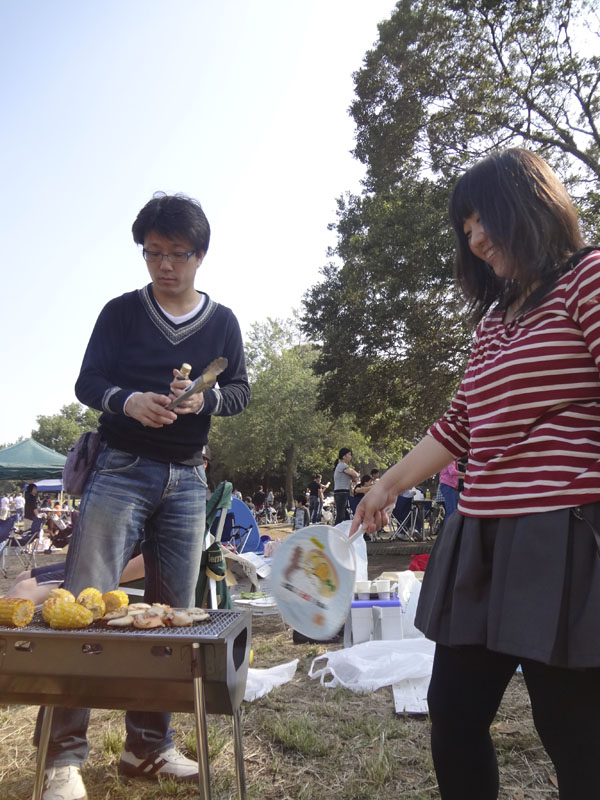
x=239, y=103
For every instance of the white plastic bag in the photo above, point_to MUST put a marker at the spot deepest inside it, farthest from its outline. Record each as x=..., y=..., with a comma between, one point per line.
x=261, y=681
x=360, y=551
x=368, y=666
x=408, y=620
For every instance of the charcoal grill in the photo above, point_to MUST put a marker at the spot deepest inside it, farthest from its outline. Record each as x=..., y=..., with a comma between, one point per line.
x=200, y=669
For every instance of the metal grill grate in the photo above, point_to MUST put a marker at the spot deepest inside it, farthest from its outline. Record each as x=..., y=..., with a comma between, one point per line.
x=212, y=628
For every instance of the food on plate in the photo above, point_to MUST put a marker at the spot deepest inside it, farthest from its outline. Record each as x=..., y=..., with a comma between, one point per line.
x=92, y=599
x=64, y=615
x=16, y=611
x=115, y=599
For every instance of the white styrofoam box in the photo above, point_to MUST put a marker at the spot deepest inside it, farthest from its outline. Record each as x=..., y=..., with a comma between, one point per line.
x=362, y=624
x=388, y=622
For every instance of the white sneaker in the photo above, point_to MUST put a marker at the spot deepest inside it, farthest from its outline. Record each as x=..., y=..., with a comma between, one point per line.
x=63, y=783
x=168, y=764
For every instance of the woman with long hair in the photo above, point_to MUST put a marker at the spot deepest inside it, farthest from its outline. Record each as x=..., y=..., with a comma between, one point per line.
x=515, y=579
x=343, y=478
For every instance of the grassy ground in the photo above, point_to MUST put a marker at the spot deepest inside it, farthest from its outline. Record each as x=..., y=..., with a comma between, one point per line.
x=301, y=741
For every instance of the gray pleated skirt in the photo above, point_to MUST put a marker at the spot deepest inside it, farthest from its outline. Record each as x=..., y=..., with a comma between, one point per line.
x=527, y=586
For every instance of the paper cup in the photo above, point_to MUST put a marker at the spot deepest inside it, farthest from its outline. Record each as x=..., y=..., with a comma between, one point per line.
x=363, y=590
x=383, y=589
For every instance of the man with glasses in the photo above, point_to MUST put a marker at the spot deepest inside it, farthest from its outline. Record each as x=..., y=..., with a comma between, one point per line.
x=149, y=475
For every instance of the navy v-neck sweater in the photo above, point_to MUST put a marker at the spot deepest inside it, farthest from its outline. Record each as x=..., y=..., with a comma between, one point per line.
x=134, y=347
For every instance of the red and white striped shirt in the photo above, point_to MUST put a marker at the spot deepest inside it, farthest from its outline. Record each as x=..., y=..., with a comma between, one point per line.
x=527, y=411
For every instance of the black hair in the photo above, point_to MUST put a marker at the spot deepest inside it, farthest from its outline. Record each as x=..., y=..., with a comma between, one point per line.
x=527, y=213
x=365, y=479
x=300, y=498
x=173, y=216
x=344, y=451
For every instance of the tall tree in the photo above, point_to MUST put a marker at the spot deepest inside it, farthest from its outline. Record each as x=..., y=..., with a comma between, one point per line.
x=60, y=431
x=282, y=432
x=447, y=82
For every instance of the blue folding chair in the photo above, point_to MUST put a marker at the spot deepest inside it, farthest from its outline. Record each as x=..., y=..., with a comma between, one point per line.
x=403, y=519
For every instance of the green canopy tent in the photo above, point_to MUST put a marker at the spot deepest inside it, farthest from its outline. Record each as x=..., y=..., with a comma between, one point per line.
x=30, y=461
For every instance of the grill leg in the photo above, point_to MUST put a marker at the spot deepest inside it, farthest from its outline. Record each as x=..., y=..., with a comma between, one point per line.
x=42, y=752
x=201, y=737
x=239, y=755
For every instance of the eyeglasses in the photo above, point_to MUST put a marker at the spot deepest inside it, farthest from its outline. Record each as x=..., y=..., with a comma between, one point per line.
x=152, y=257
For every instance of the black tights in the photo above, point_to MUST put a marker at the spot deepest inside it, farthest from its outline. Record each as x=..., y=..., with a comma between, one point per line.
x=466, y=688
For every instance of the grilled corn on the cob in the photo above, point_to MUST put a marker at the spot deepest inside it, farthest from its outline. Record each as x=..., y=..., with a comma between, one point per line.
x=16, y=611
x=64, y=615
x=115, y=600
x=92, y=599
x=63, y=594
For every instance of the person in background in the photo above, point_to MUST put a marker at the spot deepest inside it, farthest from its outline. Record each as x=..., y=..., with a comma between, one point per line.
x=315, y=501
x=19, y=505
x=31, y=505
x=366, y=484
x=343, y=478
x=449, y=487
x=301, y=515
x=258, y=498
x=149, y=474
x=375, y=475
x=515, y=579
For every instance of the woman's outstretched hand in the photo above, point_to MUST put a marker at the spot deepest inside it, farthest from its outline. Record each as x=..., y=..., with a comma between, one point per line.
x=373, y=510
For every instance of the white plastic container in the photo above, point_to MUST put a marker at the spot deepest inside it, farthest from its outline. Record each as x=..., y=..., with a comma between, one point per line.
x=388, y=622
x=362, y=624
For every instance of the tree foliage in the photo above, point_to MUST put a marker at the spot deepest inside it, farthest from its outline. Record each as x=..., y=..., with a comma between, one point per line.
x=282, y=438
x=447, y=82
x=60, y=431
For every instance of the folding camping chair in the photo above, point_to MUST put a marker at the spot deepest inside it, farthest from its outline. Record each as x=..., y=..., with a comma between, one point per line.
x=403, y=519
x=23, y=545
x=211, y=589
x=6, y=528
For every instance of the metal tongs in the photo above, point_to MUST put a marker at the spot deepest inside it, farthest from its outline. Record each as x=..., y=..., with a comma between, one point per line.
x=205, y=381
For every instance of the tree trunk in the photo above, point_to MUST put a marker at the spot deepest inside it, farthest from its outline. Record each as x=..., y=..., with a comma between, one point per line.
x=290, y=470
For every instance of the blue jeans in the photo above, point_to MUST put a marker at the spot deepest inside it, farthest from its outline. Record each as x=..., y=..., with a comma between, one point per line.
x=450, y=498
x=314, y=507
x=341, y=505
x=126, y=499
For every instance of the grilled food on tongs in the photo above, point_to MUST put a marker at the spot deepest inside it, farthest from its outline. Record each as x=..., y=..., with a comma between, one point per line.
x=205, y=381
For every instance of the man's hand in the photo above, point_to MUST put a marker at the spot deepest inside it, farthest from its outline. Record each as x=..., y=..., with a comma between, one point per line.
x=149, y=409
x=195, y=401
